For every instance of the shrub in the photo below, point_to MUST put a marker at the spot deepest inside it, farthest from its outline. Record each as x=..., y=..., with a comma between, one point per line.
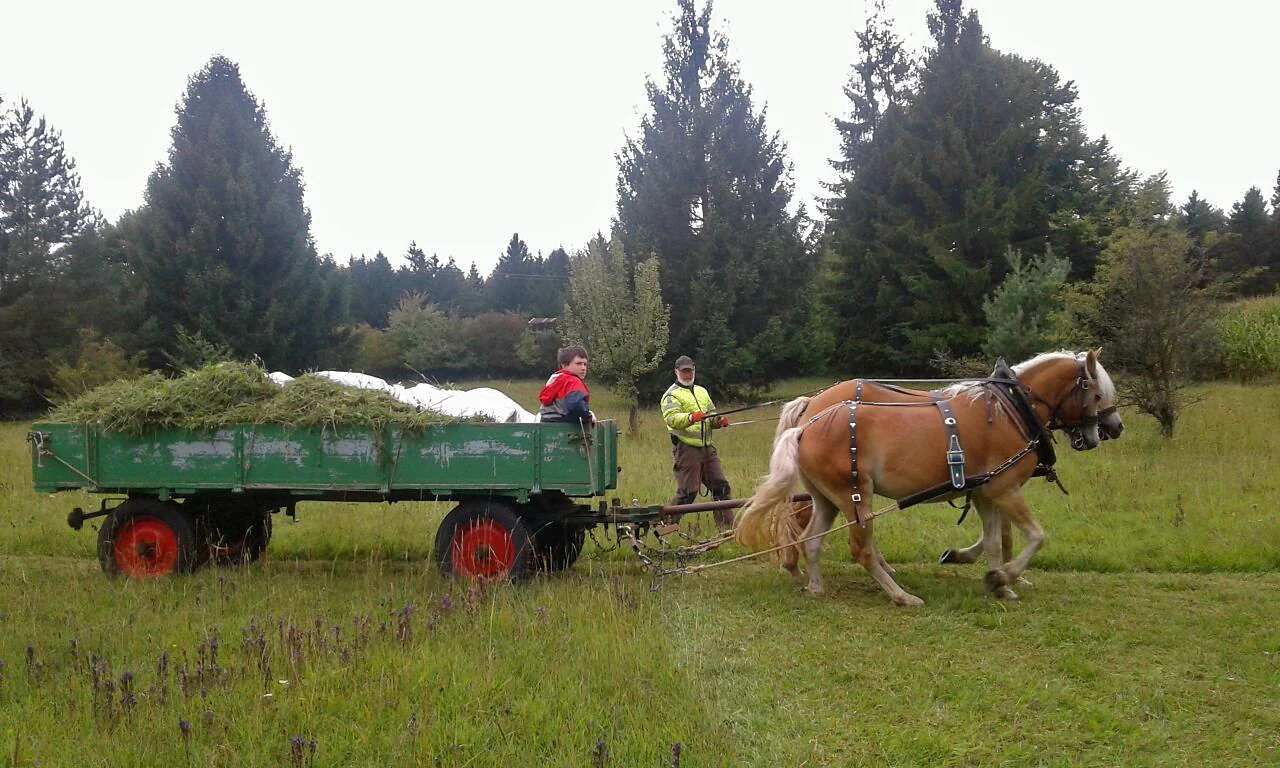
x=1249, y=337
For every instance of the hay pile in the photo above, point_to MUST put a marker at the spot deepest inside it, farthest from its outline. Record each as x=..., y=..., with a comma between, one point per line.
x=234, y=393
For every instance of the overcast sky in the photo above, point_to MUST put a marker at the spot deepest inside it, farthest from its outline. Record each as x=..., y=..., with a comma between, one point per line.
x=457, y=124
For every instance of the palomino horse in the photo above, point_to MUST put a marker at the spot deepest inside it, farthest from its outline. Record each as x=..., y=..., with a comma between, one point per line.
x=789, y=527
x=903, y=451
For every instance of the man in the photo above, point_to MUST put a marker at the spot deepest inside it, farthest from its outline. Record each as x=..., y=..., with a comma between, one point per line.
x=685, y=406
x=565, y=397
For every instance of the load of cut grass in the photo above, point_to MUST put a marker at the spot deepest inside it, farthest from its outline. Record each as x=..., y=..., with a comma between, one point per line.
x=222, y=394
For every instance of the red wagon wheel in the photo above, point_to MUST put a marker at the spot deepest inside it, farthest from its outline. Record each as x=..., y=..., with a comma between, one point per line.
x=144, y=539
x=484, y=540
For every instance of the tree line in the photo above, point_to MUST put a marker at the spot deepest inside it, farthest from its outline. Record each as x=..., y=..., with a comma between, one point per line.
x=972, y=217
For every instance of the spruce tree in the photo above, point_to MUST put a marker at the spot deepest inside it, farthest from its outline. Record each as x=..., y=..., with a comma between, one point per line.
x=1247, y=254
x=985, y=151
x=1199, y=218
x=223, y=242
x=705, y=187
x=374, y=289
x=42, y=212
x=509, y=283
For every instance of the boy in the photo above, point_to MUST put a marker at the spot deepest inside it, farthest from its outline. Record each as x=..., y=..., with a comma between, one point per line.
x=565, y=397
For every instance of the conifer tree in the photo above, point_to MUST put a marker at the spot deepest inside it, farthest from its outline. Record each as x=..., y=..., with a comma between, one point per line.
x=985, y=151
x=1247, y=254
x=374, y=289
x=223, y=242
x=1199, y=218
x=1021, y=312
x=509, y=284
x=42, y=211
x=705, y=188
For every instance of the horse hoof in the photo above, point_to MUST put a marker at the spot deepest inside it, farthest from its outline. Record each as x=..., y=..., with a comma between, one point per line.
x=908, y=601
x=995, y=580
x=1023, y=581
x=947, y=557
x=1004, y=593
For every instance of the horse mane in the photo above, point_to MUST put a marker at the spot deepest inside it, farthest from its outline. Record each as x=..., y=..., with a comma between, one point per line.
x=973, y=389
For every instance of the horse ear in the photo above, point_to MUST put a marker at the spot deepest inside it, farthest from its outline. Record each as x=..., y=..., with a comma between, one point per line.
x=1097, y=353
x=1091, y=362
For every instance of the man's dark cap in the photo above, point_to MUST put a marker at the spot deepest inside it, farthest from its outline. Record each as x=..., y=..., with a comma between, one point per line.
x=684, y=361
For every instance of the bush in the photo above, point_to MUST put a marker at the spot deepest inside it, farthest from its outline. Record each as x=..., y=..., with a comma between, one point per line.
x=97, y=361
x=1249, y=337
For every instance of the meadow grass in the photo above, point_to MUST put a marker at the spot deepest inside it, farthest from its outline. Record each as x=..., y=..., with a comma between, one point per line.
x=1147, y=639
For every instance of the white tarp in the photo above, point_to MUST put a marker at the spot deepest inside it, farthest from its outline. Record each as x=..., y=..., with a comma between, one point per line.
x=484, y=401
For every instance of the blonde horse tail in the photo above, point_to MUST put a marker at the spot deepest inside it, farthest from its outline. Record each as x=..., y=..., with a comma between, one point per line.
x=758, y=527
x=790, y=416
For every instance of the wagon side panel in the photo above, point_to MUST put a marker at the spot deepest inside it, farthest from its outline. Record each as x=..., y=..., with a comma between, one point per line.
x=61, y=457
x=168, y=458
x=314, y=458
x=465, y=457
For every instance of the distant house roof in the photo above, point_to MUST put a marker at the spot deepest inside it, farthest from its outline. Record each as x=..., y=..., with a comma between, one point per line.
x=542, y=322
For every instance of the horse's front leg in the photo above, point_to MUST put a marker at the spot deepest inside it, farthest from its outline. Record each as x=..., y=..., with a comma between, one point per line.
x=1015, y=508
x=993, y=523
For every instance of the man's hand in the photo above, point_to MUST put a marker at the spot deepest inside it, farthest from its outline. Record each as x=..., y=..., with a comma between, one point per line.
x=593, y=417
x=696, y=417
x=723, y=421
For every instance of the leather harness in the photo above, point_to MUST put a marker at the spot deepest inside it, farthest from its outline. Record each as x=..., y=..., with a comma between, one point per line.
x=1003, y=385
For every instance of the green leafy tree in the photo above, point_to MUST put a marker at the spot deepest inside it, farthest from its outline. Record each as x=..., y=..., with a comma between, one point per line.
x=223, y=243
x=616, y=311
x=1022, y=310
x=704, y=187
x=1153, y=303
x=42, y=211
x=93, y=361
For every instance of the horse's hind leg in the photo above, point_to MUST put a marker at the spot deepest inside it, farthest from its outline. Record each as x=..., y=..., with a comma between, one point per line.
x=791, y=555
x=868, y=554
x=860, y=538
x=824, y=513
x=971, y=553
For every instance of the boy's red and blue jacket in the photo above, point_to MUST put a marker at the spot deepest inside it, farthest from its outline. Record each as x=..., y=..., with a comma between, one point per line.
x=564, y=398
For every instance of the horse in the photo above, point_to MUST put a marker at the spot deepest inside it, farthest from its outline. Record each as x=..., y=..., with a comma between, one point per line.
x=902, y=451
x=789, y=527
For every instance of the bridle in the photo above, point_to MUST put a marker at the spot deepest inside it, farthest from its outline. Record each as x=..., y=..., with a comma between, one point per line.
x=1079, y=394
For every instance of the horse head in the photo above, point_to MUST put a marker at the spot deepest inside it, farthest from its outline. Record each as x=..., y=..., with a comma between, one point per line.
x=1109, y=423
x=1079, y=395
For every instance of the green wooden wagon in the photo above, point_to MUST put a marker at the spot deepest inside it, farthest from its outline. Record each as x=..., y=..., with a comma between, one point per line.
x=176, y=499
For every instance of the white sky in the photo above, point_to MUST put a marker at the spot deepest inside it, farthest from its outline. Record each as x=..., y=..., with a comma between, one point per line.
x=456, y=124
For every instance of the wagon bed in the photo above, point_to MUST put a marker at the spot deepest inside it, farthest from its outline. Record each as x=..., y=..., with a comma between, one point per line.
x=191, y=497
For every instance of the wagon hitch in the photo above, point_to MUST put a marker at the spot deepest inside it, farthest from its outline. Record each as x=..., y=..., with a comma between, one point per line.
x=77, y=516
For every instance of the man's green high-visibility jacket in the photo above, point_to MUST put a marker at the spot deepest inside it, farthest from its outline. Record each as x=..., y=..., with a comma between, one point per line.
x=678, y=405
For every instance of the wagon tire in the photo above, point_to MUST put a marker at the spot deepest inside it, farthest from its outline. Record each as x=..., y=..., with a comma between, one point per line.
x=146, y=539
x=484, y=540
x=559, y=545
x=241, y=547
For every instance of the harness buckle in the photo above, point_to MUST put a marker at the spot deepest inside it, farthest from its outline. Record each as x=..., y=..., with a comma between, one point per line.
x=955, y=462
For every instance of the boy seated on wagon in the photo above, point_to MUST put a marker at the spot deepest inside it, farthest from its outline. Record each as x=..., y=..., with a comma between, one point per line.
x=565, y=398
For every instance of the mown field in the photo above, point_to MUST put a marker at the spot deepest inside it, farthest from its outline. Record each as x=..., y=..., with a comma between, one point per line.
x=1148, y=637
